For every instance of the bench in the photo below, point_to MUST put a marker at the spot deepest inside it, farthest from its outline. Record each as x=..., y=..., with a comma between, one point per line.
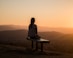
x=41, y=41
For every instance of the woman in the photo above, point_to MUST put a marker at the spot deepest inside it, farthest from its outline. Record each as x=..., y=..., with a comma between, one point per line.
x=32, y=32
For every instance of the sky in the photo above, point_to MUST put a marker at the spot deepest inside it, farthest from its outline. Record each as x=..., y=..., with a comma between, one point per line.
x=48, y=13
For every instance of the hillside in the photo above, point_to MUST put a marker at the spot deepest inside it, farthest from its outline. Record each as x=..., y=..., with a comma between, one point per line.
x=59, y=42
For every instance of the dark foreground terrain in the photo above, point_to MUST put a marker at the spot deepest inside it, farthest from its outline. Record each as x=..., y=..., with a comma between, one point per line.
x=8, y=51
x=13, y=44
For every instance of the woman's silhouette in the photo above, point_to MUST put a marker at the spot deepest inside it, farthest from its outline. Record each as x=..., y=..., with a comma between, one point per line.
x=32, y=32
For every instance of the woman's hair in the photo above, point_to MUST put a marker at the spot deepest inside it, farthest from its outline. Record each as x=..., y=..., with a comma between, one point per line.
x=32, y=20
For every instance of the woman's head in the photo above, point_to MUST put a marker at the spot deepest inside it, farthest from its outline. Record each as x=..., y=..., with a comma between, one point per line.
x=32, y=20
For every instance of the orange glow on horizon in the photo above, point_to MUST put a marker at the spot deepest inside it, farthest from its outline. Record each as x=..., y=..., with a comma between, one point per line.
x=46, y=12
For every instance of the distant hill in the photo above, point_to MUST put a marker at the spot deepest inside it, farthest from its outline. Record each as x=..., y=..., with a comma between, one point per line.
x=61, y=30
x=11, y=27
x=40, y=29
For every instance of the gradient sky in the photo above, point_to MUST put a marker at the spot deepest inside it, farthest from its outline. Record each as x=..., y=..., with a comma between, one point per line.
x=48, y=13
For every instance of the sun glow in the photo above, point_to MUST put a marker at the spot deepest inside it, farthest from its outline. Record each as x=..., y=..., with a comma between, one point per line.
x=47, y=13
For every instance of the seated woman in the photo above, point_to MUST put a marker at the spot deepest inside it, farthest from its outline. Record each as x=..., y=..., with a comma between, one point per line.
x=32, y=32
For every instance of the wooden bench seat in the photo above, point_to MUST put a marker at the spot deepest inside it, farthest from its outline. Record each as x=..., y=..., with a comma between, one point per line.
x=41, y=41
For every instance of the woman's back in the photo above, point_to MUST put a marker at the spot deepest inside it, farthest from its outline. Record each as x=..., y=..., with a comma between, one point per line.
x=32, y=30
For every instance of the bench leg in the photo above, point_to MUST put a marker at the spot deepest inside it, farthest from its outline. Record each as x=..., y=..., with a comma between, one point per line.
x=41, y=47
x=36, y=45
x=32, y=45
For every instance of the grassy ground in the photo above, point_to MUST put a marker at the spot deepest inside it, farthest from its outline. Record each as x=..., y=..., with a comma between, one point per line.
x=8, y=51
